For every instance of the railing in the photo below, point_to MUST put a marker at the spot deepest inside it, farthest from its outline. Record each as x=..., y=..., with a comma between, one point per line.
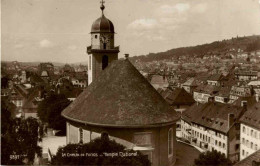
x=100, y=48
x=107, y=47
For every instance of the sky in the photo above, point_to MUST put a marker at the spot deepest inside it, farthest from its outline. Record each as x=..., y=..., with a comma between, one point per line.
x=59, y=30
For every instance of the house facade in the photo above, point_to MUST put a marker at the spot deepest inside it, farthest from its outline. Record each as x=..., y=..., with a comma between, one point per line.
x=213, y=126
x=250, y=130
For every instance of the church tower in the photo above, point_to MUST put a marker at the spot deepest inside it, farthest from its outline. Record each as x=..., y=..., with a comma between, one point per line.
x=102, y=50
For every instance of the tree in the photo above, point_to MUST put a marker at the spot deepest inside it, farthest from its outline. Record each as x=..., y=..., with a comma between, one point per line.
x=20, y=141
x=6, y=113
x=96, y=153
x=4, y=82
x=49, y=111
x=213, y=158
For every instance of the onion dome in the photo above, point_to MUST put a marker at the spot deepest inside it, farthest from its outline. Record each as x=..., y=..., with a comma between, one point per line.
x=102, y=24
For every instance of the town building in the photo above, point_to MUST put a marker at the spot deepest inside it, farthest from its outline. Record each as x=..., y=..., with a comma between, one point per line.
x=177, y=98
x=47, y=67
x=190, y=85
x=213, y=126
x=223, y=95
x=240, y=91
x=246, y=75
x=120, y=102
x=215, y=79
x=251, y=160
x=159, y=81
x=250, y=129
x=203, y=93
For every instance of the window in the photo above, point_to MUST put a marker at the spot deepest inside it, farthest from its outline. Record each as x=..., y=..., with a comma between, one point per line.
x=89, y=63
x=104, y=62
x=95, y=36
x=216, y=142
x=224, y=145
x=255, y=146
x=243, y=140
x=243, y=152
x=170, y=142
x=219, y=144
x=251, y=134
x=251, y=145
x=80, y=135
x=237, y=147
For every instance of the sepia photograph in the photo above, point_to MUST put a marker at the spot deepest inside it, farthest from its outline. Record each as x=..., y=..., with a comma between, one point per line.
x=130, y=82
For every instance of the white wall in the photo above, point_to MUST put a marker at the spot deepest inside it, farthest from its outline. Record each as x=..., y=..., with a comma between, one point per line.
x=248, y=136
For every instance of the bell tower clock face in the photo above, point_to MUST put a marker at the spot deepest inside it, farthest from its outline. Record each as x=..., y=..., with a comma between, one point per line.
x=104, y=38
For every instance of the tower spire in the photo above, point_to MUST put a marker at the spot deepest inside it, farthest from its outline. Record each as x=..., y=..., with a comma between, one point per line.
x=102, y=7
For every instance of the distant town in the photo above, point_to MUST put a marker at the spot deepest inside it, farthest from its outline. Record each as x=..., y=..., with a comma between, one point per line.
x=216, y=92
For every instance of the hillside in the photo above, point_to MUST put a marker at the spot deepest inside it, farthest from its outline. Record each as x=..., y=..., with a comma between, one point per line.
x=247, y=43
x=58, y=64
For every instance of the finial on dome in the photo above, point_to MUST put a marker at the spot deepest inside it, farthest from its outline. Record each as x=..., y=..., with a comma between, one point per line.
x=102, y=7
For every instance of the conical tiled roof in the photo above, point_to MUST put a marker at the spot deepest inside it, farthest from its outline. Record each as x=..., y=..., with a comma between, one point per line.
x=121, y=97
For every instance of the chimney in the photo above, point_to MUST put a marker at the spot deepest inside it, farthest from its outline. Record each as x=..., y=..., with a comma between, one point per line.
x=126, y=56
x=244, y=103
x=211, y=99
x=231, y=119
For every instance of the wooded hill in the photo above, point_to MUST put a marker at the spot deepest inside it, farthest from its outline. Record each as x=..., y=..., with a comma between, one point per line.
x=247, y=44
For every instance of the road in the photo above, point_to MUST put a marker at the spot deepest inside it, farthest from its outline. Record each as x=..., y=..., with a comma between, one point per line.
x=186, y=154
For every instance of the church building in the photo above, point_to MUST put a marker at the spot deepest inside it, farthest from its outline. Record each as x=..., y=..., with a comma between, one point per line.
x=119, y=101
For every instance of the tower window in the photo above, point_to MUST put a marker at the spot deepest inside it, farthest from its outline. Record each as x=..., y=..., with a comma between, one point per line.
x=170, y=142
x=95, y=36
x=104, y=62
x=89, y=63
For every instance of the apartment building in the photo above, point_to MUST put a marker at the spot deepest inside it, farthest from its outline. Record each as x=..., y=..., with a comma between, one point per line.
x=213, y=126
x=250, y=130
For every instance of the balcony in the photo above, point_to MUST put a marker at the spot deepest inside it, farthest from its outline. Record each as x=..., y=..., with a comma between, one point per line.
x=100, y=48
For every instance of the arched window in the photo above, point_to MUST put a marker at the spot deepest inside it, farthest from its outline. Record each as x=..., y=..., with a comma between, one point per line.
x=104, y=62
x=244, y=129
x=170, y=142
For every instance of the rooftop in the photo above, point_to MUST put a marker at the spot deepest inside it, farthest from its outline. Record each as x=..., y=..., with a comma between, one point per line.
x=121, y=97
x=251, y=116
x=212, y=115
x=178, y=96
x=255, y=157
